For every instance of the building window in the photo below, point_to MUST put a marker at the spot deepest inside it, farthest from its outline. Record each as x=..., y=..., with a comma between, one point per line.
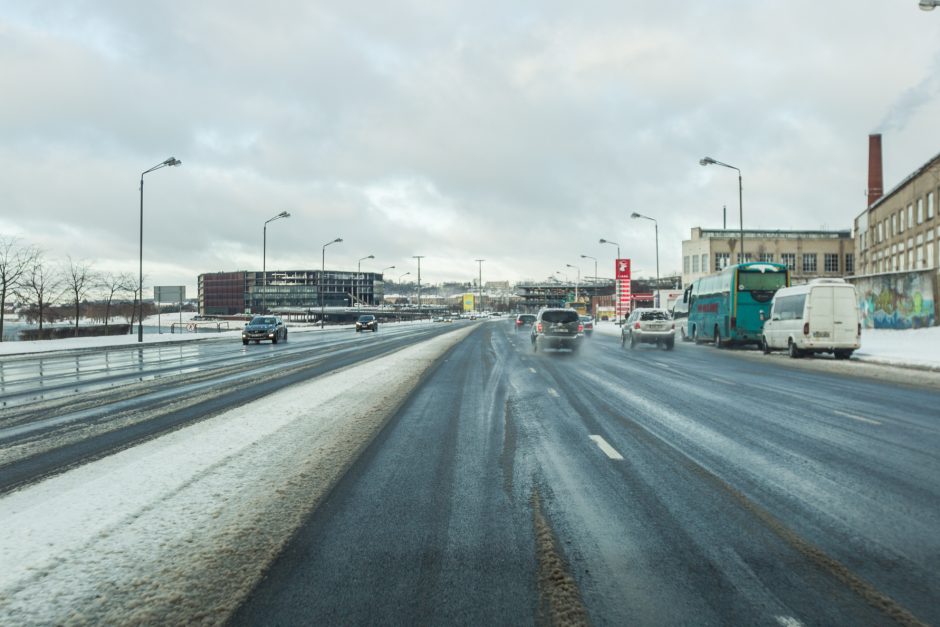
x=809, y=263
x=705, y=263
x=685, y=264
x=930, y=209
x=745, y=259
x=910, y=216
x=910, y=259
x=849, y=263
x=695, y=263
x=894, y=225
x=831, y=262
x=767, y=257
x=920, y=258
x=881, y=232
x=930, y=255
x=789, y=260
x=721, y=261
x=901, y=221
x=920, y=211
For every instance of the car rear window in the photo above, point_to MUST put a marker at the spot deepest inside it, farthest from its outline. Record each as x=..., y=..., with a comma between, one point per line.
x=527, y=318
x=560, y=316
x=366, y=318
x=654, y=315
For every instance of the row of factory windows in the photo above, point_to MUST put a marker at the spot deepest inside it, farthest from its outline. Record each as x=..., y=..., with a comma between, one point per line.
x=693, y=264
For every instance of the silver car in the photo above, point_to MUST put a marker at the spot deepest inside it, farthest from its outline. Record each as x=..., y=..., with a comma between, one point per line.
x=649, y=326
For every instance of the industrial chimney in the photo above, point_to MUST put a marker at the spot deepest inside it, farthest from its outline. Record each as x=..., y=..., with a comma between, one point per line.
x=875, y=177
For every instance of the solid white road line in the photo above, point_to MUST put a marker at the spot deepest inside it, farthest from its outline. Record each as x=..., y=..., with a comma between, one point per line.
x=532, y=370
x=788, y=621
x=854, y=417
x=553, y=392
x=610, y=451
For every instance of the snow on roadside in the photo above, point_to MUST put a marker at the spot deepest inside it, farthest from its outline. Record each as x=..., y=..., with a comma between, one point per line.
x=179, y=529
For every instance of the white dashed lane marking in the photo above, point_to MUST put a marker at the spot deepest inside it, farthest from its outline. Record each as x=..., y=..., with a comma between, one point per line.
x=553, y=392
x=610, y=451
x=854, y=417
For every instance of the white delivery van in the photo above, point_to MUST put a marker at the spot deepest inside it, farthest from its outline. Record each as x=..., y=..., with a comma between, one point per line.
x=818, y=317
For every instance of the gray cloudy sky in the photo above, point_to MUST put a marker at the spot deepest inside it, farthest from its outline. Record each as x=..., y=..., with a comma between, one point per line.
x=516, y=132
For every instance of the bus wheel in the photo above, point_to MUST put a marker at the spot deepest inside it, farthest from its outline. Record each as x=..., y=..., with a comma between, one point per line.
x=695, y=338
x=717, y=338
x=764, y=346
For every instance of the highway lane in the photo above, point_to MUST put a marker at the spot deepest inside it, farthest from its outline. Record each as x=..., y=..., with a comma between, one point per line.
x=627, y=487
x=106, y=400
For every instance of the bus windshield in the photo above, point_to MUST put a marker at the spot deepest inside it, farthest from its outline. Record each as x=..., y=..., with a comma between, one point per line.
x=748, y=281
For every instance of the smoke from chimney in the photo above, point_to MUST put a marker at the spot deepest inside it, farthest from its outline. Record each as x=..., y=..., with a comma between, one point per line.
x=875, y=176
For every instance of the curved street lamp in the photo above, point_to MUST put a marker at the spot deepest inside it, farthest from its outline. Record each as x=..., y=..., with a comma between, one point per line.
x=577, y=283
x=636, y=215
x=928, y=5
x=323, y=275
x=480, y=284
x=358, y=278
x=172, y=162
x=710, y=161
x=264, y=255
x=595, y=266
x=617, y=306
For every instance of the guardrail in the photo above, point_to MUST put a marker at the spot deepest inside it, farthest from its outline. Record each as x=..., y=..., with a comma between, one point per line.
x=198, y=326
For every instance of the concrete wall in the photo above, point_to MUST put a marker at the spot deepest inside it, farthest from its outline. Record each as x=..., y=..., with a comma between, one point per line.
x=898, y=300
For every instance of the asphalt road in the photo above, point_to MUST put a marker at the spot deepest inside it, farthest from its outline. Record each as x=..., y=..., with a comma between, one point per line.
x=694, y=486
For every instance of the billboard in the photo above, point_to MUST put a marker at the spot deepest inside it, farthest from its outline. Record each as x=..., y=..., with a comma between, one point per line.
x=622, y=274
x=468, y=302
x=169, y=293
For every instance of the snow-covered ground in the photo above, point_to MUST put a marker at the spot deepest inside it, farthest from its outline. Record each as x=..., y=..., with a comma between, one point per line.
x=913, y=348
x=177, y=530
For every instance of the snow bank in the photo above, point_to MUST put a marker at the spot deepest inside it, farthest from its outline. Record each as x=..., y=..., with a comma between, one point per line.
x=179, y=529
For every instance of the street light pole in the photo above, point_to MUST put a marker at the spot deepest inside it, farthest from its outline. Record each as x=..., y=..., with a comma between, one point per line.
x=616, y=282
x=171, y=162
x=656, y=225
x=419, y=258
x=264, y=256
x=710, y=161
x=359, y=278
x=577, y=283
x=323, y=275
x=595, y=267
x=480, y=284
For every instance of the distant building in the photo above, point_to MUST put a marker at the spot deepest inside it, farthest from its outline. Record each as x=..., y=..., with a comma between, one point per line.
x=227, y=293
x=808, y=254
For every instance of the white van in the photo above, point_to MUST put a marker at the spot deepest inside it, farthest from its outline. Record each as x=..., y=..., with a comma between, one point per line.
x=819, y=317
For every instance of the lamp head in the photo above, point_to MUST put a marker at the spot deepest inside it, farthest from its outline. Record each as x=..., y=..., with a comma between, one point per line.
x=283, y=214
x=337, y=240
x=706, y=161
x=928, y=5
x=603, y=241
x=172, y=162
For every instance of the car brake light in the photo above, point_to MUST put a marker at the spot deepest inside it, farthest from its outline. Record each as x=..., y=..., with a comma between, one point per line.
x=580, y=328
x=806, y=328
x=636, y=325
x=540, y=327
x=673, y=325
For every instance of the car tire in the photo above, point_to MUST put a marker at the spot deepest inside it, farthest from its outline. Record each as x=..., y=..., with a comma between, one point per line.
x=274, y=339
x=245, y=342
x=764, y=346
x=843, y=354
x=793, y=351
x=632, y=342
x=623, y=340
x=695, y=338
x=717, y=338
x=669, y=344
x=375, y=329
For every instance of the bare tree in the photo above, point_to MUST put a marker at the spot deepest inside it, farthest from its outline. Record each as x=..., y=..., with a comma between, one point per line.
x=39, y=286
x=15, y=258
x=79, y=280
x=114, y=284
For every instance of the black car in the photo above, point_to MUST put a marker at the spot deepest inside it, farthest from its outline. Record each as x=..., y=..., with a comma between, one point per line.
x=557, y=328
x=264, y=328
x=524, y=320
x=367, y=322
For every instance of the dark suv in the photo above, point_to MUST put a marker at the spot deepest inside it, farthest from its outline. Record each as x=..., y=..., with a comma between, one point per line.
x=367, y=322
x=557, y=328
x=264, y=328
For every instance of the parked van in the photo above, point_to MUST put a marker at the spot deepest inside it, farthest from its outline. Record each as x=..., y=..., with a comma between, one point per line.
x=819, y=317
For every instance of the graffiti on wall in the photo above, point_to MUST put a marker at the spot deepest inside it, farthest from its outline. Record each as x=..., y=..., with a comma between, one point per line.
x=897, y=301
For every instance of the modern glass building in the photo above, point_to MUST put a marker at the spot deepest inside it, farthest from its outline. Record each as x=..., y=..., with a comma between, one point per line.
x=229, y=293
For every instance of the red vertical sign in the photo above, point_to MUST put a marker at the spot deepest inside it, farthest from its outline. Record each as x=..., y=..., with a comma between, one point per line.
x=622, y=274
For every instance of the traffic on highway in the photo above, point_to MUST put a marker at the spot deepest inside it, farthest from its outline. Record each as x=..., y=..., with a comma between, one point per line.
x=450, y=473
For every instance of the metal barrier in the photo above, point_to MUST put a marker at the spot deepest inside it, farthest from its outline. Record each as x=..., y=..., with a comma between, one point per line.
x=201, y=325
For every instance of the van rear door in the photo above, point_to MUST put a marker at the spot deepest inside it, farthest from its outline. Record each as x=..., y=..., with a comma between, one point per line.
x=820, y=316
x=845, y=316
